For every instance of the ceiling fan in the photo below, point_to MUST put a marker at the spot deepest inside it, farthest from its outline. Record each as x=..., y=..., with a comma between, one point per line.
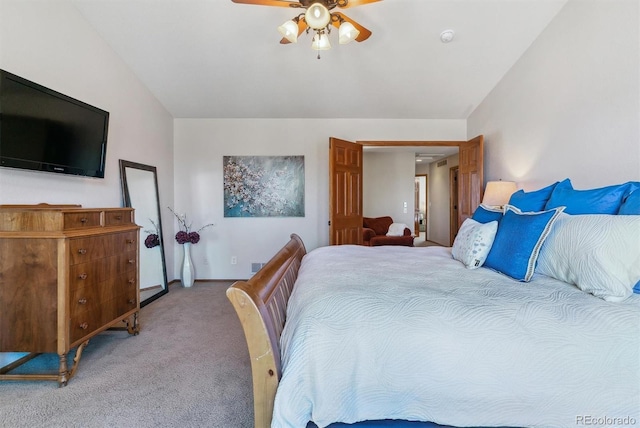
x=318, y=17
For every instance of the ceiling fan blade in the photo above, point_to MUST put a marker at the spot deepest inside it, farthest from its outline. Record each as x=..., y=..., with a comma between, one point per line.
x=280, y=3
x=364, y=33
x=354, y=3
x=302, y=25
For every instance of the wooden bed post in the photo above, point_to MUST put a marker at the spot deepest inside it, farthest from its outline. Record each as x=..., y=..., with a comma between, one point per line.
x=261, y=305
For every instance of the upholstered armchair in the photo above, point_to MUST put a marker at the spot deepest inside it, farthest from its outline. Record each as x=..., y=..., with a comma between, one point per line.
x=375, y=229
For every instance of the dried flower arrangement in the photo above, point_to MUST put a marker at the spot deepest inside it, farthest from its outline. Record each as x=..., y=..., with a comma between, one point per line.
x=186, y=233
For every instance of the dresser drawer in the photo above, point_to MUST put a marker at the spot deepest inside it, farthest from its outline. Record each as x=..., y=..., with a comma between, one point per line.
x=88, y=298
x=100, y=270
x=81, y=220
x=84, y=274
x=125, y=303
x=117, y=217
x=124, y=283
x=89, y=317
x=85, y=322
x=92, y=295
x=82, y=250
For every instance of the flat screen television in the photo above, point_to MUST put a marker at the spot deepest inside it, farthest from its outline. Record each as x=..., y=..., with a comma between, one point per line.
x=44, y=130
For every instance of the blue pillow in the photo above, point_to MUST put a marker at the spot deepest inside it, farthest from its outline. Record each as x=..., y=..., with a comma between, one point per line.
x=631, y=205
x=636, y=288
x=536, y=200
x=487, y=214
x=604, y=200
x=633, y=185
x=518, y=240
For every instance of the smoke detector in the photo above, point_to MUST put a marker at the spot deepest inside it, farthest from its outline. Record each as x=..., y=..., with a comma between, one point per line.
x=446, y=36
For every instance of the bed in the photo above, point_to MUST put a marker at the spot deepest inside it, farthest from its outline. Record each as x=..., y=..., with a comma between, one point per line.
x=414, y=334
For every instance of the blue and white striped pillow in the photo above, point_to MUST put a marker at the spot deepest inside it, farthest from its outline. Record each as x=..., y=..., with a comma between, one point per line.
x=518, y=241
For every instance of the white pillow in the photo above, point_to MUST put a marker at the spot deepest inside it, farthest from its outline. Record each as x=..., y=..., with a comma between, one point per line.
x=599, y=253
x=473, y=242
x=396, y=229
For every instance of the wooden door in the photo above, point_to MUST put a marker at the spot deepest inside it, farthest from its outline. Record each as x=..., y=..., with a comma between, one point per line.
x=470, y=177
x=416, y=207
x=421, y=199
x=345, y=192
x=453, y=204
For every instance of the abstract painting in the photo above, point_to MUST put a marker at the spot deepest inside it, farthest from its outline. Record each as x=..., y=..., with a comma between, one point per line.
x=263, y=186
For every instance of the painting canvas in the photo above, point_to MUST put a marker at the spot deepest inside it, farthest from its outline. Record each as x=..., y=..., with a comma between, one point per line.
x=263, y=186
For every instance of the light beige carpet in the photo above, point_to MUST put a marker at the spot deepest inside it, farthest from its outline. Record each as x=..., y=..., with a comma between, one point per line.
x=422, y=243
x=188, y=367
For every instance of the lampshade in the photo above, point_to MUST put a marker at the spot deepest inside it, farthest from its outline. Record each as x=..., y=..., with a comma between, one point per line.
x=347, y=32
x=289, y=30
x=317, y=16
x=497, y=193
x=320, y=42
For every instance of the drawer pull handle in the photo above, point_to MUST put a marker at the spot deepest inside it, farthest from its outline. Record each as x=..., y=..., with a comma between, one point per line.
x=82, y=301
x=132, y=301
x=131, y=261
x=130, y=241
x=84, y=326
x=82, y=251
x=117, y=217
x=82, y=276
x=132, y=281
x=84, y=220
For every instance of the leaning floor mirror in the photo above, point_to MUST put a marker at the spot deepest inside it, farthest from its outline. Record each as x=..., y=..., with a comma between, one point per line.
x=140, y=191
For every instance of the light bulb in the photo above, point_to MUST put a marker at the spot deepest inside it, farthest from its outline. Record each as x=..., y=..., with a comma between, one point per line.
x=289, y=30
x=320, y=42
x=317, y=16
x=347, y=32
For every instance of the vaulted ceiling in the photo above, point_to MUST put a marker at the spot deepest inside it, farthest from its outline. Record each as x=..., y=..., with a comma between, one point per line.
x=218, y=59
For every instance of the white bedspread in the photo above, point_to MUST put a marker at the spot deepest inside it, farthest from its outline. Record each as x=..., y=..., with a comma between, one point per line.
x=409, y=333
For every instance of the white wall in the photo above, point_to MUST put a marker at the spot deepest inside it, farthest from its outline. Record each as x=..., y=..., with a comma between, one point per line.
x=438, y=221
x=570, y=107
x=388, y=183
x=200, y=145
x=50, y=43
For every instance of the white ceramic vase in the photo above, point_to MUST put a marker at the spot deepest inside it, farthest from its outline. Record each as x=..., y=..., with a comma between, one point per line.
x=188, y=272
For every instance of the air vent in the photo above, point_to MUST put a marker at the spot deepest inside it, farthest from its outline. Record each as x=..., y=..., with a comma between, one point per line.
x=442, y=163
x=255, y=267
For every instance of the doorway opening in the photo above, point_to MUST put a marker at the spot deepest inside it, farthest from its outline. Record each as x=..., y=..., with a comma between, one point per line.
x=429, y=158
x=345, y=187
x=421, y=206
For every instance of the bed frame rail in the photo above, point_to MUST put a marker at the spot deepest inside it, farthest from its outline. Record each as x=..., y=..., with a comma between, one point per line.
x=261, y=304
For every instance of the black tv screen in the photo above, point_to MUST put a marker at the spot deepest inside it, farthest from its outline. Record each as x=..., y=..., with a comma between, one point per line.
x=44, y=130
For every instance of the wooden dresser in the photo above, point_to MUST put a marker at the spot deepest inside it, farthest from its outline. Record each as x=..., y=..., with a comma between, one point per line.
x=67, y=273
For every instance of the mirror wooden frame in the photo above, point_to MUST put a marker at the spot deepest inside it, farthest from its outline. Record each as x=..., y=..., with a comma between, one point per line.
x=126, y=183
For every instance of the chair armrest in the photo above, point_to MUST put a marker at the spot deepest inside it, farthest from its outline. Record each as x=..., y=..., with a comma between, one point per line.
x=367, y=234
x=407, y=231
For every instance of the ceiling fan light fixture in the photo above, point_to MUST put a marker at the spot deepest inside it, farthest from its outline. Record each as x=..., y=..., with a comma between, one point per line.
x=347, y=32
x=320, y=42
x=317, y=16
x=289, y=30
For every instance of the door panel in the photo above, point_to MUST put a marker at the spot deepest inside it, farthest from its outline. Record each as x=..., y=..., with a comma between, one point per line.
x=345, y=198
x=470, y=177
x=454, y=191
x=416, y=207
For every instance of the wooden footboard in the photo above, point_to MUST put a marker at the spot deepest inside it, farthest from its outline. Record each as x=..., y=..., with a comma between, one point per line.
x=261, y=304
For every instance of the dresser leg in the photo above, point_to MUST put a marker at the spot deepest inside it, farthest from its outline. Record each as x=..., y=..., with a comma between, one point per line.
x=132, y=326
x=76, y=359
x=63, y=372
